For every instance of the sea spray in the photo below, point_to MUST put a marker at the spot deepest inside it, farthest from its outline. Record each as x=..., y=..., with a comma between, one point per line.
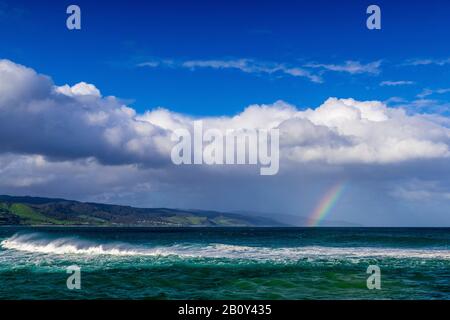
x=224, y=263
x=41, y=243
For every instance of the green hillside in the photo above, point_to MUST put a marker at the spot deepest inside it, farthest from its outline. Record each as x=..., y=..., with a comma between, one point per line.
x=60, y=212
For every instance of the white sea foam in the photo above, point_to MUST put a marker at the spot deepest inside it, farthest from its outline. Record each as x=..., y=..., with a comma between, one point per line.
x=39, y=243
x=36, y=243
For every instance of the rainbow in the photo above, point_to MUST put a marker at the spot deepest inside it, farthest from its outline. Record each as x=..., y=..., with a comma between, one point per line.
x=326, y=203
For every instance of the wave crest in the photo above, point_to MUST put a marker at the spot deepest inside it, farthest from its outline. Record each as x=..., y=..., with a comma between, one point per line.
x=40, y=243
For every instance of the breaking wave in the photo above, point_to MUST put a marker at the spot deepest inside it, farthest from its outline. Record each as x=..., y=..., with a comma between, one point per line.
x=40, y=243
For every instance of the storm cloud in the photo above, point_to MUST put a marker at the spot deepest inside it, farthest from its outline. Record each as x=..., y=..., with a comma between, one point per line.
x=69, y=140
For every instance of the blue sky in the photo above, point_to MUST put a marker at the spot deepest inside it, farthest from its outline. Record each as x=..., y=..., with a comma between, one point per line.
x=65, y=130
x=117, y=36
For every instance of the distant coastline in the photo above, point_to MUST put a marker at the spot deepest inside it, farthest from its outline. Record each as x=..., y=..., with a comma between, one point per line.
x=44, y=212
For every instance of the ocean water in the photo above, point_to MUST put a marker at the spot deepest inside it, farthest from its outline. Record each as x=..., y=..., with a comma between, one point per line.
x=224, y=263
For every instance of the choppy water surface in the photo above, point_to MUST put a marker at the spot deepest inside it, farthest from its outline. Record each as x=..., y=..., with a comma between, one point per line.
x=231, y=263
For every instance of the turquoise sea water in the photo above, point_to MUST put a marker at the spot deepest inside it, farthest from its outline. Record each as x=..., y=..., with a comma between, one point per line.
x=229, y=263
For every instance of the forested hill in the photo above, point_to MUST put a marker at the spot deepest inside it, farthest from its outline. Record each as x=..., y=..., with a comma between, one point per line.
x=47, y=211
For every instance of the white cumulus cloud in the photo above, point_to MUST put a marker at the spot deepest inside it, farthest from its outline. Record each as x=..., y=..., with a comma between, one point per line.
x=71, y=140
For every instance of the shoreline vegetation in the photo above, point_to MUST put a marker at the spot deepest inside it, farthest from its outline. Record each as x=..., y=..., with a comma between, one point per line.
x=44, y=212
x=25, y=211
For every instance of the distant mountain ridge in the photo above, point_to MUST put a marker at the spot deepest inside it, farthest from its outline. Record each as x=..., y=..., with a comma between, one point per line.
x=24, y=210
